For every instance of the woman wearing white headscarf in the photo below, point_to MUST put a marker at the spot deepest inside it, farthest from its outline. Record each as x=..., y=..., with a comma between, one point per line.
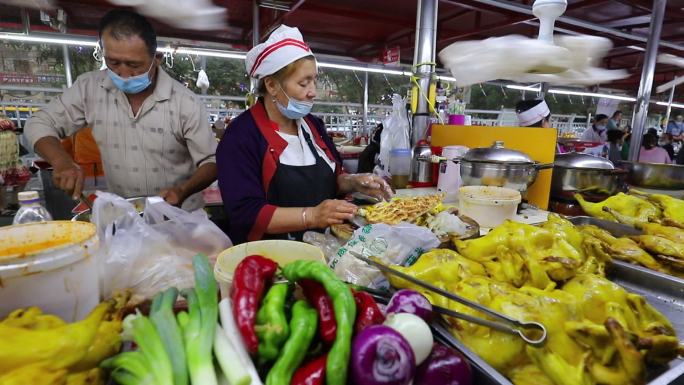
x=533, y=113
x=279, y=172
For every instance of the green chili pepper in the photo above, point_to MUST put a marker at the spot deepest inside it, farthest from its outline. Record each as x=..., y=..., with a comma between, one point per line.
x=345, y=314
x=302, y=331
x=271, y=323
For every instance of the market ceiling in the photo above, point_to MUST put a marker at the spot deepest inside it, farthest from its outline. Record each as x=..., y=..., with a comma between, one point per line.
x=363, y=29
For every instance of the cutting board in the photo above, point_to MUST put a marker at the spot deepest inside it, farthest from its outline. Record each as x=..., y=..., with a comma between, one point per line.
x=539, y=143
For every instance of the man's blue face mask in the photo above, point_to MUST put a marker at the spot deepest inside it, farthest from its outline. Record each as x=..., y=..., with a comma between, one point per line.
x=296, y=109
x=133, y=84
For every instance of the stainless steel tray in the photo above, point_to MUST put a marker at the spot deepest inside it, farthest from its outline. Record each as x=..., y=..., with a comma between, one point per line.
x=617, y=229
x=664, y=292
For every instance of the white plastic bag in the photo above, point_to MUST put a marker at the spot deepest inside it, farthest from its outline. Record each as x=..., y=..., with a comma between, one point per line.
x=202, y=81
x=395, y=132
x=398, y=244
x=152, y=253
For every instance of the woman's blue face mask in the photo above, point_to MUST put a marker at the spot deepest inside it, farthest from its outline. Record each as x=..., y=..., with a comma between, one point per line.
x=133, y=84
x=295, y=109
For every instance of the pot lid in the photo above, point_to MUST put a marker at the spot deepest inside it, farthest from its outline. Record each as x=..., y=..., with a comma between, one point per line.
x=497, y=153
x=579, y=160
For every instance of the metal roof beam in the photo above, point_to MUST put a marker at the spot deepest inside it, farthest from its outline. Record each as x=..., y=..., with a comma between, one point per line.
x=519, y=8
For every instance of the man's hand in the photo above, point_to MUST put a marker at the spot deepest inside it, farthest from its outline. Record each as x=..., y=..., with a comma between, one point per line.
x=68, y=176
x=174, y=195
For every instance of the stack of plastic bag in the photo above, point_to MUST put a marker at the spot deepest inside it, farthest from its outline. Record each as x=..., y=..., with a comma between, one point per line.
x=151, y=253
x=400, y=244
x=395, y=134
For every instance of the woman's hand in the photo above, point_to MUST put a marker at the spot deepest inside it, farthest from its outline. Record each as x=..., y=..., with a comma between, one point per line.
x=369, y=184
x=330, y=212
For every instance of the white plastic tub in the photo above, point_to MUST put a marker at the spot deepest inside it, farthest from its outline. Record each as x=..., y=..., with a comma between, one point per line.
x=50, y=265
x=489, y=206
x=282, y=252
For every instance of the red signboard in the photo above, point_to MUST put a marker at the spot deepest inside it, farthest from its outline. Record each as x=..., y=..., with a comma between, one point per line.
x=391, y=55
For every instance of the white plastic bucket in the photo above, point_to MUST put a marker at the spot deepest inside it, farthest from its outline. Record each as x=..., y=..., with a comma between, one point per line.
x=281, y=251
x=489, y=206
x=51, y=265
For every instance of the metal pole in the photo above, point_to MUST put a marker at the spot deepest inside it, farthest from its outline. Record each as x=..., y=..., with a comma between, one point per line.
x=669, y=106
x=67, y=65
x=644, y=96
x=365, y=104
x=255, y=37
x=423, y=61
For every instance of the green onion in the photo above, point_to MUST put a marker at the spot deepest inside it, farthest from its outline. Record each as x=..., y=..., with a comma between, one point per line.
x=152, y=349
x=229, y=360
x=131, y=364
x=161, y=315
x=198, y=325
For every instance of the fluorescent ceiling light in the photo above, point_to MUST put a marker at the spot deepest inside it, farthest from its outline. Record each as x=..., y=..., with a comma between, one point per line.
x=201, y=52
x=447, y=78
x=569, y=92
x=675, y=105
x=363, y=69
x=523, y=88
x=46, y=39
x=592, y=94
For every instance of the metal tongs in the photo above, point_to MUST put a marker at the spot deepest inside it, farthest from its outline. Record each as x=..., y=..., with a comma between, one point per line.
x=532, y=333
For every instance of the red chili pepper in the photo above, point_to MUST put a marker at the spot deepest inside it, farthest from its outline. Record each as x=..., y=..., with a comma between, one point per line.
x=367, y=311
x=250, y=279
x=318, y=297
x=312, y=373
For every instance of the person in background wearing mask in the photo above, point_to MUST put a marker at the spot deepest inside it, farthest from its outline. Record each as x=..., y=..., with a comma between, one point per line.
x=151, y=131
x=279, y=171
x=614, y=121
x=665, y=142
x=651, y=153
x=676, y=128
x=597, y=132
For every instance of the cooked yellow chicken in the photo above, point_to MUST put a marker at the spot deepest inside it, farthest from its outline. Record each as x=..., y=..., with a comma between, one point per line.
x=672, y=208
x=630, y=208
x=598, y=333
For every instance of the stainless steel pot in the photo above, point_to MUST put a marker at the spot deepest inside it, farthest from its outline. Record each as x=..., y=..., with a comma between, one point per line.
x=421, y=168
x=586, y=174
x=499, y=166
x=652, y=175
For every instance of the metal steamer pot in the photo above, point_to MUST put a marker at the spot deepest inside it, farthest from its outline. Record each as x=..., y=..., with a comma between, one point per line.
x=593, y=176
x=654, y=176
x=499, y=166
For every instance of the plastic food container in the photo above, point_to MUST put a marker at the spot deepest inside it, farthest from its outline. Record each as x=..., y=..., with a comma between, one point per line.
x=283, y=252
x=489, y=206
x=51, y=265
x=400, y=166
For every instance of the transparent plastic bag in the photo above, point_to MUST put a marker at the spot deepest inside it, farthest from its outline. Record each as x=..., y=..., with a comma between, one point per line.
x=400, y=244
x=151, y=253
x=328, y=243
x=395, y=132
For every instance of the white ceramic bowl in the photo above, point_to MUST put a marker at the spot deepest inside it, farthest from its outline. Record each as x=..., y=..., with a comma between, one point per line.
x=489, y=206
x=281, y=251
